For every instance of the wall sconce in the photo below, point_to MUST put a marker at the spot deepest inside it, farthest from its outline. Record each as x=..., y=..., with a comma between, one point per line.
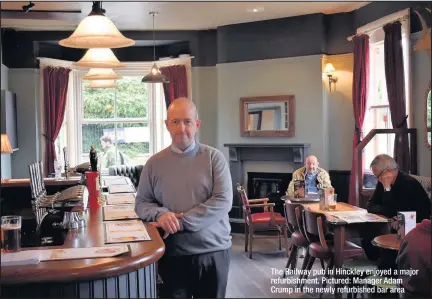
x=329, y=69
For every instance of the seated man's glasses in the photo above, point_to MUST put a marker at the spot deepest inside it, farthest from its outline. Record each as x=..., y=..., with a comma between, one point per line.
x=380, y=174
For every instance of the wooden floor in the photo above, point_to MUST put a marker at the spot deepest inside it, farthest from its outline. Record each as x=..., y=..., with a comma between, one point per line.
x=252, y=277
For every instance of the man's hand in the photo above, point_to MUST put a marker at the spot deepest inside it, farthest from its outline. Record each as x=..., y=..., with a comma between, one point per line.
x=386, y=179
x=168, y=221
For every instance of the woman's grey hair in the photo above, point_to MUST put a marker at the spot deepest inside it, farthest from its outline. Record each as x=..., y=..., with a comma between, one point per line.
x=384, y=161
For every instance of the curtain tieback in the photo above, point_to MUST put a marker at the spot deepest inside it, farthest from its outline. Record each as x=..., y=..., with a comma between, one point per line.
x=359, y=131
x=48, y=138
x=402, y=122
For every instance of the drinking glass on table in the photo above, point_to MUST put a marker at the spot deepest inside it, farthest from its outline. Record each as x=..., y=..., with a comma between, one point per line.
x=10, y=233
x=332, y=201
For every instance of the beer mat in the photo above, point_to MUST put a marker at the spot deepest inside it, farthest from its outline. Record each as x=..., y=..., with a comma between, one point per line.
x=120, y=199
x=125, y=231
x=121, y=189
x=118, y=212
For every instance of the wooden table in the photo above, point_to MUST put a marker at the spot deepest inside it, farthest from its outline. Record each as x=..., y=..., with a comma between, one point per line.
x=338, y=227
x=133, y=275
x=389, y=241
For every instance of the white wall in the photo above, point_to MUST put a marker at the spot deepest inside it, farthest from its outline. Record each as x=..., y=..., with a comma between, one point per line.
x=204, y=94
x=298, y=76
x=25, y=83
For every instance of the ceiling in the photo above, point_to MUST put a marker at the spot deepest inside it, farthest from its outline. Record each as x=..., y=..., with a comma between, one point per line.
x=175, y=15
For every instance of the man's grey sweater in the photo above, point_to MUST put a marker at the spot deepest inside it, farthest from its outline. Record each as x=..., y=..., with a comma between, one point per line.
x=196, y=183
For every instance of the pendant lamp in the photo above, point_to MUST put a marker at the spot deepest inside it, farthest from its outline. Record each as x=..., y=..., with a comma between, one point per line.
x=96, y=31
x=155, y=75
x=99, y=58
x=103, y=84
x=101, y=74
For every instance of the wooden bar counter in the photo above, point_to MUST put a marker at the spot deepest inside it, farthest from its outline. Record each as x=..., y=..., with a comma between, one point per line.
x=132, y=275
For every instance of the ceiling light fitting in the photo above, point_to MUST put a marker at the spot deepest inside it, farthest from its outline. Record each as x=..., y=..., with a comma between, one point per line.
x=101, y=74
x=96, y=31
x=103, y=84
x=155, y=75
x=99, y=58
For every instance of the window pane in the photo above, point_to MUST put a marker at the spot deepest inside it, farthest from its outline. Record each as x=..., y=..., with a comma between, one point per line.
x=133, y=141
x=381, y=143
x=98, y=102
x=132, y=98
x=117, y=143
x=91, y=135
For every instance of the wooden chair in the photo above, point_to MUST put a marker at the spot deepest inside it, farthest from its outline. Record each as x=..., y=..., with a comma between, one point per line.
x=266, y=221
x=321, y=242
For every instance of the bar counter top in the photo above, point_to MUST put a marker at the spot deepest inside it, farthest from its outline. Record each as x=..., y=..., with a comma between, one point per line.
x=142, y=254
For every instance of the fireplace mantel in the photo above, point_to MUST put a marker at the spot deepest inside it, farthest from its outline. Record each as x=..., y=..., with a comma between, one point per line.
x=292, y=152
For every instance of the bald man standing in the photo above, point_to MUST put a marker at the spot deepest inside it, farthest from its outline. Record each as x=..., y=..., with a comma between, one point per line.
x=187, y=189
x=314, y=177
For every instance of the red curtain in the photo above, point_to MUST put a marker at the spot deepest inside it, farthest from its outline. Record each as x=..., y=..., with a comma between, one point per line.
x=395, y=81
x=56, y=81
x=177, y=86
x=359, y=98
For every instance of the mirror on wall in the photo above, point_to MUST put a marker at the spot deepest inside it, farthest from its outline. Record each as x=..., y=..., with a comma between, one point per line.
x=428, y=117
x=267, y=116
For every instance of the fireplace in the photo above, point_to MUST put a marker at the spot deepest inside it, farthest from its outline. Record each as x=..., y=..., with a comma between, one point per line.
x=270, y=185
x=294, y=154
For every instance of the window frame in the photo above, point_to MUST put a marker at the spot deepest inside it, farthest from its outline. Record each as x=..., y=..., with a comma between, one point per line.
x=74, y=108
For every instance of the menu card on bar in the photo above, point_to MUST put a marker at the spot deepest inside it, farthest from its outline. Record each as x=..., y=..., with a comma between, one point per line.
x=125, y=231
x=27, y=257
x=119, y=212
x=83, y=253
x=120, y=199
x=115, y=180
x=121, y=189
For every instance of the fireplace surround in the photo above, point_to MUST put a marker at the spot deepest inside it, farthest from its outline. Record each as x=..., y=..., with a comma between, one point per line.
x=240, y=153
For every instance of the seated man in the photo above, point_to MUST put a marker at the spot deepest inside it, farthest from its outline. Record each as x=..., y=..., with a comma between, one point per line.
x=315, y=177
x=415, y=253
x=395, y=191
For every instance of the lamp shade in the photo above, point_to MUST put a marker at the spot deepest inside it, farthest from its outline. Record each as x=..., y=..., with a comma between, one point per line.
x=155, y=76
x=101, y=74
x=96, y=31
x=5, y=144
x=103, y=84
x=99, y=58
x=329, y=68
